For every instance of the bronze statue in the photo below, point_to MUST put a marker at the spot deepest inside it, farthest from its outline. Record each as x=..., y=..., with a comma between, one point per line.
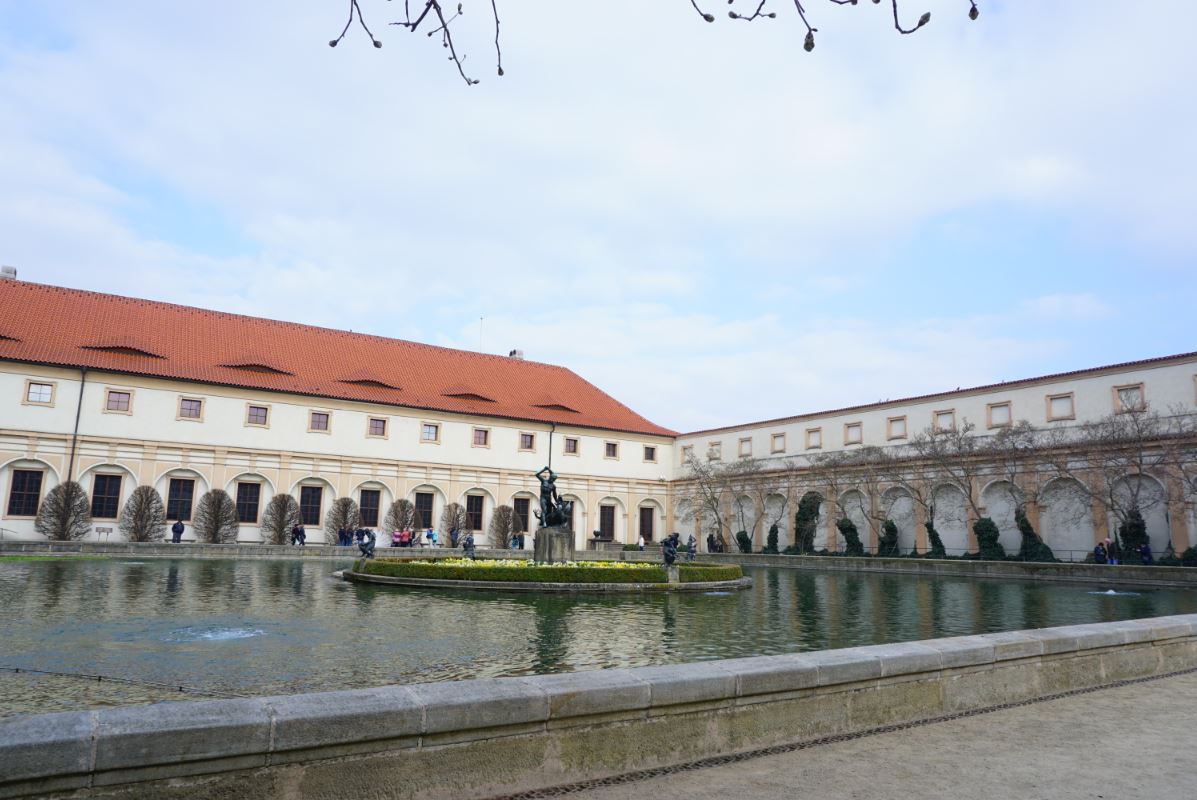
x=554, y=512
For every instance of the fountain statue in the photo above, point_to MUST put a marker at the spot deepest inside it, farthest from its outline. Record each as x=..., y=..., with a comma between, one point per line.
x=554, y=540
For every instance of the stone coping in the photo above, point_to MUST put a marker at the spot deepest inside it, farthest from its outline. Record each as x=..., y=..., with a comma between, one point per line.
x=745, y=701
x=540, y=587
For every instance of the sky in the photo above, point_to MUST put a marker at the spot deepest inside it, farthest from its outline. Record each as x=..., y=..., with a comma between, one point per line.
x=704, y=220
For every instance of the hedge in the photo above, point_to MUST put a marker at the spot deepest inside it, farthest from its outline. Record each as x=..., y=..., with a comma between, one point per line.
x=530, y=574
x=690, y=573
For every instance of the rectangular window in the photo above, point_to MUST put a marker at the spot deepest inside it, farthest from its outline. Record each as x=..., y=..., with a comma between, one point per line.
x=527, y=441
x=248, y=497
x=257, y=415
x=521, y=506
x=714, y=451
x=814, y=438
x=1129, y=398
x=105, y=496
x=999, y=415
x=318, y=421
x=607, y=522
x=745, y=447
x=39, y=394
x=853, y=433
x=191, y=408
x=377, y=427
x=481, y=437
x=310, y=498
x=1059, y=406
x=650, y=453
x=179, y=495
x=430, y=432
x=118, y=401
x=611, y=449
x=646, y=523
x=25, y=492
x=687, y=453
x=896, y=428
x=474, y=511
x=368, y=504
x=424, y=509
x=571, y=446
x=777, y=443
x=944, y=420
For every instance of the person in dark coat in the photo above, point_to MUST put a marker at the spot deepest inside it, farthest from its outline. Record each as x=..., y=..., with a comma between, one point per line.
x=691, y=546
x=1145, y=554
x=1113, y=551
x=176, y=531
x=1099, y=554
x=467, y=544
x=710, y=542
x=340, y=537
x=294, y=534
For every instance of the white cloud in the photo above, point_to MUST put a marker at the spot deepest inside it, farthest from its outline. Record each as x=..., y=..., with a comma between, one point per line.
x=1066, y=307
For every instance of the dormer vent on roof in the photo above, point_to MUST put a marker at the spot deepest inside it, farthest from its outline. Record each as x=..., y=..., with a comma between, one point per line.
x=551, y=403
x=257, y=365
x=460, y=392
x=369, y=380
x=5, y=336
x=123, y=346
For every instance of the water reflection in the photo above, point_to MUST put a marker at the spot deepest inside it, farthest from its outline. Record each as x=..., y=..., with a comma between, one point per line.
x=285, y=626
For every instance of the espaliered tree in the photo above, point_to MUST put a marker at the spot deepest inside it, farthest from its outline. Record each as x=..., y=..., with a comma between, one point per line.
x=216, y=518
x=143, y=519
x=771, y=541
x=887, y=544
x=280, y=516
x=852, y=544
x=344, y=515
x=936, y=549
x=401, y=516
x=439, y=20
x=502, y=525
x=1031, y=547
x=1133, y=532
x=806, y=522
x=65, y=514
x=454, y=518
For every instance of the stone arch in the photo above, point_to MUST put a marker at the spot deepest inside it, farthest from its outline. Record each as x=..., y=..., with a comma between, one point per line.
x=684, y=521
x=855, y=505
x=1067, y=518
x=385, y=498
x=899, y=507
x=776, y=509
x=201, y=484
x=327, y=496
x=951, y=517
x=488, y=504
x=49, y=481
x=660, y=527
x=744, y=516
x=1152, y=500
x=1000, y=499
x=620, y=532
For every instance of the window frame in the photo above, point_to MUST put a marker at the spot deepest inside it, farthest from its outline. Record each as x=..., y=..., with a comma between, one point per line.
x=859, y=426
x=386, y=427
x=817, y=434
x=474, y=437
x=109, y=391
x=1119, y=408
x=257, y=502
x=170, y=479
x=519, y=523
x=935, y=415
x=41, y=485
x=120, y=488
x=181, y=417
x=614, y=521
x=687, y=452
x=577, y=440
x=654, y=450
x=520, y=441
x=269, y=413
x=319, y=508
x=715, y=451
x=25, y=401
x=989, y=407
x=773, y=448
x=425, y=424
x=890, y=436
x=415, y=501
x=744, y=440
x=470, y=514
x=652, y=522
x=607, y=445
x=378, y=514
x=1059, y=396
x=327, y=429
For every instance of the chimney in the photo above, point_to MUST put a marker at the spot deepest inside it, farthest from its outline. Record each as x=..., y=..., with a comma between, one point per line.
x=516, y=354
x=8, y=273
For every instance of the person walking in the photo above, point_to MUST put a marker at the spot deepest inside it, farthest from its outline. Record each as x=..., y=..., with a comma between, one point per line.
x=640, y=543
x=1113, y=552
x=1145, y=555
x=691, y=546
x=1099, y=554
x=176, y=532
x=467, y=544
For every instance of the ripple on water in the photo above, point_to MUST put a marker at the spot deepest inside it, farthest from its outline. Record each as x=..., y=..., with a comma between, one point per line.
x=1112, y=593
x=211, y=634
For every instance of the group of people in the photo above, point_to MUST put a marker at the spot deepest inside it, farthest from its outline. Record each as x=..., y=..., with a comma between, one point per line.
x=1110, y=552
x=714, y=544
x=347, y=536
x=410, y=538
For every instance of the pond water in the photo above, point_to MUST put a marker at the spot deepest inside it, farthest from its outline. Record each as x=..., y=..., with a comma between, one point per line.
x=257, y=627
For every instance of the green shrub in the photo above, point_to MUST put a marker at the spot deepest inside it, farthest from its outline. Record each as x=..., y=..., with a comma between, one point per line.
x=852, y=544
x=771, y=541
x=806, y=519
x=691, y=573
x=627, y=548
x=937, y=549
x=544, y=573
x=988, y=546
x=1189, y=557
x=1032, y=547
x=888, y=544
x=744, y=542
x=1133, y=533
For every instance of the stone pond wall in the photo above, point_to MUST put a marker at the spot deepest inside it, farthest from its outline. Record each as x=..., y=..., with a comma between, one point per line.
x=474, y=739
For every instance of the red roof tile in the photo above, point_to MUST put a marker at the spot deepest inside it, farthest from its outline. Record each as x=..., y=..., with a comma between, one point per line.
x=53, y=325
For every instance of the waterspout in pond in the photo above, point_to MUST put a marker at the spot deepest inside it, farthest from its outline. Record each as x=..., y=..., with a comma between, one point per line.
x=211, y=634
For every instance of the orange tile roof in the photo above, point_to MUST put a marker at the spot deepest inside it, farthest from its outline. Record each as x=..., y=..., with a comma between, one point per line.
x=68, y=327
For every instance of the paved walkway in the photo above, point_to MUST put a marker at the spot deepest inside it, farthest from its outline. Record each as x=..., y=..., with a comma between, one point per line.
x=1137, y=741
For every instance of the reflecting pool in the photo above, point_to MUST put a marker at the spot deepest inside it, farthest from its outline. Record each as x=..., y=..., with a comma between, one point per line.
x=288, y=626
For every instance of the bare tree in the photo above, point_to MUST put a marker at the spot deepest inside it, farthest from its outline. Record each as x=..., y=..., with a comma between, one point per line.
x=401, y=516
x=143, y=519
x=216, y=518
x=433, y=19
x=65, y=514
x=706, y=487
x=502, y=525
x=280, y=516
x=454, y=518
x=344, y=515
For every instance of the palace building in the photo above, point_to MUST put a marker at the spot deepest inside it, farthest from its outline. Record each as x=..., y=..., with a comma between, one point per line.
x=117, y=392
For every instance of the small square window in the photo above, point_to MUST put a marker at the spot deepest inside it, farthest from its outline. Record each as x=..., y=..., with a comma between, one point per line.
x=745, y=447
x=896, y=428
x=1129, y=398
x=527, y=441
x=318, y=422
x=778, y=443
x=715, y=451
x=650, y=453
x=257, y=415
x=430, y=432
x=377, y=427
x=1060, y=406
x=853, y=433
x=190, y=408
x=571, y=446
x=1000, y=415
x=119, y=402
x=814, y=438
x=687, y=453
x=611, y=450
x=39, y=394
x=944, y=420
x=481, y=437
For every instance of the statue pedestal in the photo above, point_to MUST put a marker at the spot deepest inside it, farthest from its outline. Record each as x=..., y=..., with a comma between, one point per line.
x=553, y=545
x=674, y=575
